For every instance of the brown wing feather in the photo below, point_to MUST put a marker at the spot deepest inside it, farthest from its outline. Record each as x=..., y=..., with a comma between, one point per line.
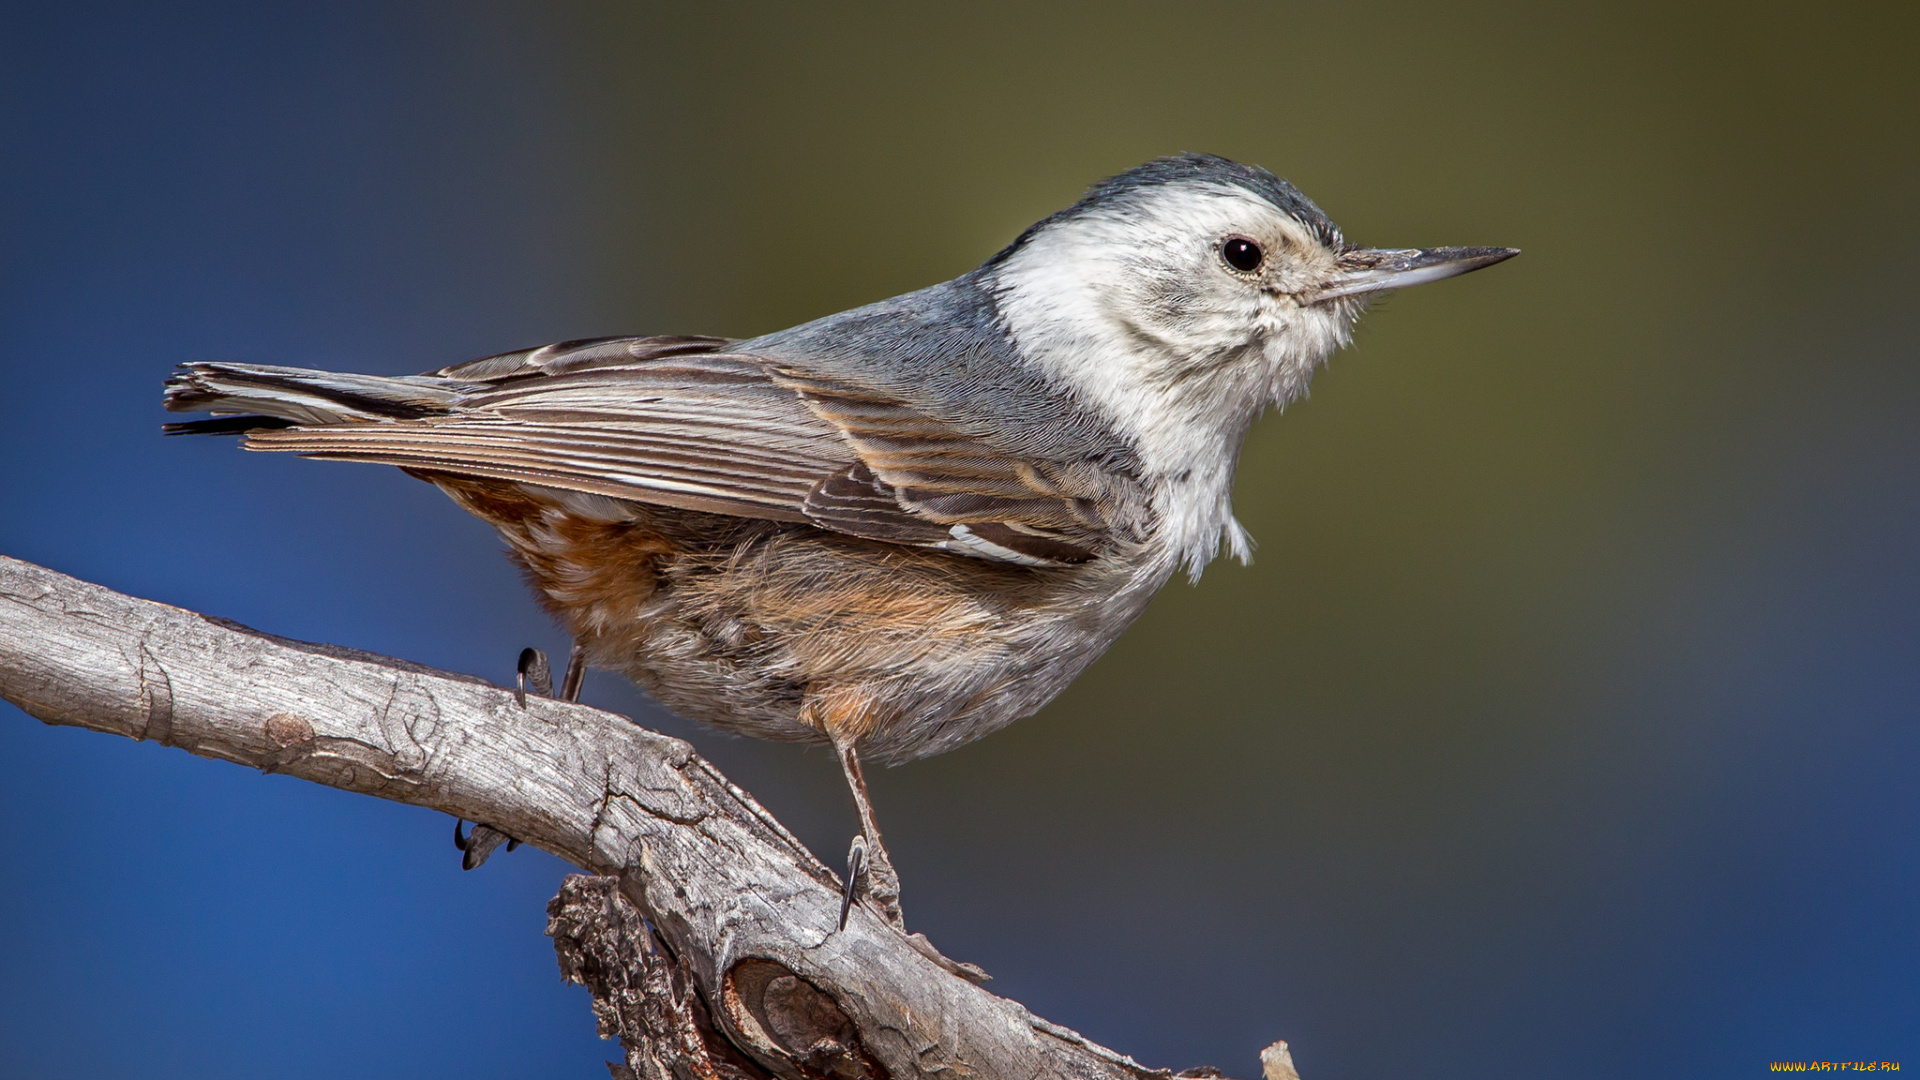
x=855, y=502
x=939, y=474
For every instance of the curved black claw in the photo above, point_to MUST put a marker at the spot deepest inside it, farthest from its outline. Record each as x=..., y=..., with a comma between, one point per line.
x=532, y=672
x=856, y=865
x=480, y=844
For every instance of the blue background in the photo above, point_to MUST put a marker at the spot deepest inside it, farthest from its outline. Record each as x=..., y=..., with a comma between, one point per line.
x=1565, y=725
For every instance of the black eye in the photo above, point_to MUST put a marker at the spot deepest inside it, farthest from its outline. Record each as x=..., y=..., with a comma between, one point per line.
x=1242, y=254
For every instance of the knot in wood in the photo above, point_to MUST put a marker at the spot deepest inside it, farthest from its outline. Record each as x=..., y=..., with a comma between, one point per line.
x=792, y=1021
x=286, y=729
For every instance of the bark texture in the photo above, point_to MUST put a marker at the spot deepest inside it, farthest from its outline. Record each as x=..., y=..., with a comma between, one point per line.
x=709, y=937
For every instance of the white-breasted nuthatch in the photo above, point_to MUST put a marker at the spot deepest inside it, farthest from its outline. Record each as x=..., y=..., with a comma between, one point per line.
x=897, y=528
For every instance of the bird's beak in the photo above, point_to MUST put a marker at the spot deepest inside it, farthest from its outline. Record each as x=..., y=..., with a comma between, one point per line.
x=1372, y=269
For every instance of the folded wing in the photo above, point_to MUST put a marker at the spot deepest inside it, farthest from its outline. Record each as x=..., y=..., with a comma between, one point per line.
x=676, y=422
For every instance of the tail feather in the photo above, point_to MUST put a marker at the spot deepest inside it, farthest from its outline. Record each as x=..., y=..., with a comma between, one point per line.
x=226, y=425
x=233, y=392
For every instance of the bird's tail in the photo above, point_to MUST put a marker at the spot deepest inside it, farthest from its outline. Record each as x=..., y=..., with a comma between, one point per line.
x=248, y=397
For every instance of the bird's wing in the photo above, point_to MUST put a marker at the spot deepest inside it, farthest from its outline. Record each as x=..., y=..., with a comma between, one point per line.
x=679, y=422
x=991, y=502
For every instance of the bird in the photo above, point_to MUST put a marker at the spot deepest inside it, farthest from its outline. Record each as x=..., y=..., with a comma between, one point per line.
x=895, y=529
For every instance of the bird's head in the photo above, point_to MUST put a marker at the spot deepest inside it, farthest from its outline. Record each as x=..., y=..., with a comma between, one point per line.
x=1192, y=291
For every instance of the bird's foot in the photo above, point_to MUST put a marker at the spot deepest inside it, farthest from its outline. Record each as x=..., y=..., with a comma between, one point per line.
x=870, y=876
x=856, y=867
x=870, y=879
x=481, y=843
x=532, y=673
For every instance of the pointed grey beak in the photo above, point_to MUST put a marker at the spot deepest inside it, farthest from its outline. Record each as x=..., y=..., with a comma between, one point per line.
x=1372, y=269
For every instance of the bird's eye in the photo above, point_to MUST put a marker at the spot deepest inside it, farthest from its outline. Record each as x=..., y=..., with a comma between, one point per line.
x=1242, y=254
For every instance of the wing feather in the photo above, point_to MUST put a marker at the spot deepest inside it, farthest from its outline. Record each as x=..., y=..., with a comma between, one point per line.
x=946, y=475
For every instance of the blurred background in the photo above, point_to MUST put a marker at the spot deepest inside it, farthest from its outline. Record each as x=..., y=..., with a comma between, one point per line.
x=1564, y=726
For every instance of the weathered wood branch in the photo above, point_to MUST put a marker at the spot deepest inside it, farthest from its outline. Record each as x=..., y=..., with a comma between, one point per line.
x=717, y=954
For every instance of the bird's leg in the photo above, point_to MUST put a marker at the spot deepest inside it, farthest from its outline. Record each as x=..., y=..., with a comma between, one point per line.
x=882, y=884
x=531, y=673
x=868, y=867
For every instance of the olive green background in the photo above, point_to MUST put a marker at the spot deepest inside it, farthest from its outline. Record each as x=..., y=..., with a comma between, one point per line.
x=1564, y=725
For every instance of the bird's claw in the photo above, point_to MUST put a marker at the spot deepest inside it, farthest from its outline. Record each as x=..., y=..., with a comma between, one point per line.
x=856, y=866
x=533, y=672
x=475, y=847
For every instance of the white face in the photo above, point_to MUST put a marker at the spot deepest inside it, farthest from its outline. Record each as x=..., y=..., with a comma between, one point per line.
x=1206, y=270
x=1184, y=305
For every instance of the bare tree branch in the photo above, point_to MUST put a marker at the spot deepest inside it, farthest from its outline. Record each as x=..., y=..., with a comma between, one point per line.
x=718, y=954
